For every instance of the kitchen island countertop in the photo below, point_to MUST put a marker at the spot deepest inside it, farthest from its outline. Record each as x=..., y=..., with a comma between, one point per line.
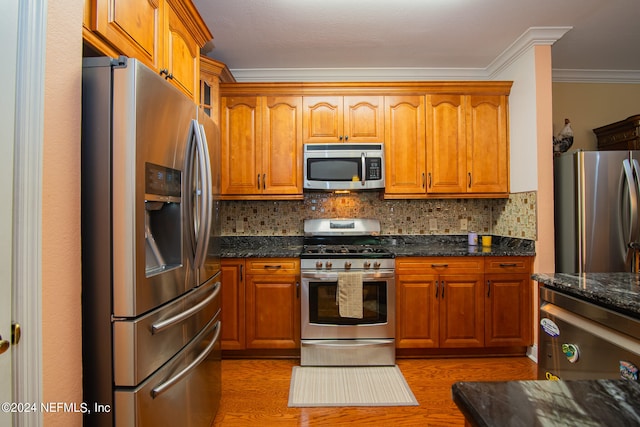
x=549, y=403
x=619, y=292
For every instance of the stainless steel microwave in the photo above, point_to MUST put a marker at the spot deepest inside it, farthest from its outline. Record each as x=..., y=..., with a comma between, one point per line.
x=353, y=167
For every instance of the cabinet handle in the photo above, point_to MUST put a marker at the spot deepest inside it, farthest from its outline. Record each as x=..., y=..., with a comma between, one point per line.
x=241, y=272
x=264, y=181
x=469, y=179
x=488, y=288
x=340, y=137
x=297, y=289
x=439, y=265
x=442, y=282
x=165, y=72
x=258, y=181
x=346, y=137
x=437, y=285
x=429, y=179
x=508, y=265
x=272, y=267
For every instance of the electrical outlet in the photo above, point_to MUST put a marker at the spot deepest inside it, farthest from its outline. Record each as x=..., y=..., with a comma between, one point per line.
x=433, y=224
x=463, y=224
x=239, y=226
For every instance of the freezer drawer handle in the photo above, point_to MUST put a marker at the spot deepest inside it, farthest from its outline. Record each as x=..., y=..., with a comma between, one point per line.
x=161, y=326
x=180, y=375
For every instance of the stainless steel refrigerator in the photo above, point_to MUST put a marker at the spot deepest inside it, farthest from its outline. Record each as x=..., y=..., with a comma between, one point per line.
x=150, y=250
x=597, y=224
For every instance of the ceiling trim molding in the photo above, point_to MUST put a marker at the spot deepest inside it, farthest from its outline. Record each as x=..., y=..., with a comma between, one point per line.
x=534, y=36
x=356, y=74
x=595, y=76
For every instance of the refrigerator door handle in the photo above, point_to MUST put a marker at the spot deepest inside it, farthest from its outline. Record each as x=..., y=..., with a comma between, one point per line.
x=206, y=217
x=628, y=235
x=167, y=323
x=156, y=391
x=190, y=218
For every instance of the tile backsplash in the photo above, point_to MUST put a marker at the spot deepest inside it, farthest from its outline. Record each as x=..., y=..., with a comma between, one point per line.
x=512, y=217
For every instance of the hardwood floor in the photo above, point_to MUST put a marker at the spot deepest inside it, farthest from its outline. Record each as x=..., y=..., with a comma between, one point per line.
x=256, y=392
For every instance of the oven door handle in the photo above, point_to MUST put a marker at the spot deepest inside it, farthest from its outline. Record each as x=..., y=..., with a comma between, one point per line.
x=333, y=277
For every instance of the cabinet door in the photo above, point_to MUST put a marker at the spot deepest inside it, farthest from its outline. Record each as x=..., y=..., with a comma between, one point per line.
x=273, y=312
x=363, y=119
x=487, y=149
x=132, y=26
x=282, y=145
x=461, y=311
x=240, y=130
x=233, y=301
x=416, y=311
x=508, y=310
x=323, y=119
x=446, y=144
x=182, y=55
x=405, y=148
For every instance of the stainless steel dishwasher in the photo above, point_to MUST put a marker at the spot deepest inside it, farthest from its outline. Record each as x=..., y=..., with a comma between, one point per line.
x=581, y=340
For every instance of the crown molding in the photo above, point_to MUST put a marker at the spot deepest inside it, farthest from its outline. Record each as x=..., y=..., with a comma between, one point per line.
x=355, y=74
x=532, y=37
x=595, y=76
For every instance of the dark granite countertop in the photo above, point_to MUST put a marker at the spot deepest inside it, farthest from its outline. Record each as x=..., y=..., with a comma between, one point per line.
x=291, y=246
x=549, y=403
x=617, y=291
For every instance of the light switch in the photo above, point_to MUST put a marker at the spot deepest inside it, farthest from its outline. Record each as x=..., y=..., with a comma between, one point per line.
x=433, y=224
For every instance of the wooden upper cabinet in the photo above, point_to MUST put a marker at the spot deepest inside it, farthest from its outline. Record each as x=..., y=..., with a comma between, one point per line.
x=405, y=149
x=240, y=130
x=282, y=145
x=446, y=144
x=343, y=119
x=132, y=26
x=181, y=60
x=166, y=35
x=261, y=146
x=488, y=147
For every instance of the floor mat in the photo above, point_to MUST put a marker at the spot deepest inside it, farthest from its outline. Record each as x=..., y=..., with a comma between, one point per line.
x=349, y=386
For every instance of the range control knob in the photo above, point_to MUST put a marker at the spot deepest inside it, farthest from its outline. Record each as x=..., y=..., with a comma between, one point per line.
x=367, y=265
x=318, y=265
x=376, y=265
x=347, y=265
x=328, y=265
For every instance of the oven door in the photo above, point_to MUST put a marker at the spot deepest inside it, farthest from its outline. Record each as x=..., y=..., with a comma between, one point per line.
x=320, y=316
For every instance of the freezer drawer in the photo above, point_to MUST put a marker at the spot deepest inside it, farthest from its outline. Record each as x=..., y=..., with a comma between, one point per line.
x=184, y=392
x=573, y=347
x=143, y=345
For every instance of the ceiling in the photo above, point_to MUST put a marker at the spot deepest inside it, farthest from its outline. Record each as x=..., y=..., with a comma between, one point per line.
x=408, y=39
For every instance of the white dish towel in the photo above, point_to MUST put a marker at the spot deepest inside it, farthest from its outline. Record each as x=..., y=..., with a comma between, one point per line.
x=349, y=295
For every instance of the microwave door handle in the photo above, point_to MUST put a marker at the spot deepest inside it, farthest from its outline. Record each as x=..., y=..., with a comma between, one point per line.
x=364, y=171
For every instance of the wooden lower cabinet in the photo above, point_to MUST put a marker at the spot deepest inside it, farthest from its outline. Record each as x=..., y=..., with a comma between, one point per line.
x=509, y=306
x=233, y=306
x=260, y=304
x=463, y=302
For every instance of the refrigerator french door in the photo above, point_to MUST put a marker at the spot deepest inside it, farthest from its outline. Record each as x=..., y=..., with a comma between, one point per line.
x=151, y=351
x=596, y=211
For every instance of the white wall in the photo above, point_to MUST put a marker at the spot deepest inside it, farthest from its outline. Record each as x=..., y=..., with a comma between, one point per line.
x=522, y=117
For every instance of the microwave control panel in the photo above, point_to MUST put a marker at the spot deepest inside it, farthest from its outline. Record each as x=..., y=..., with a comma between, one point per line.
x=374, y=168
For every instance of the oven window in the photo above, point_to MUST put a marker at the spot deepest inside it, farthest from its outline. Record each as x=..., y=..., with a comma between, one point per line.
x=323, y=308
x=334, y=169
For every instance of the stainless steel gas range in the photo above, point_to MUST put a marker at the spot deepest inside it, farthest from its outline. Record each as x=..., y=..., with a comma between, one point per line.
x=348, y=294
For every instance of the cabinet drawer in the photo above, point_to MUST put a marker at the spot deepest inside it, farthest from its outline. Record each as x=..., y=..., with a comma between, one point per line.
x=273, y=266
x=440, y=265
x=507, y=264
